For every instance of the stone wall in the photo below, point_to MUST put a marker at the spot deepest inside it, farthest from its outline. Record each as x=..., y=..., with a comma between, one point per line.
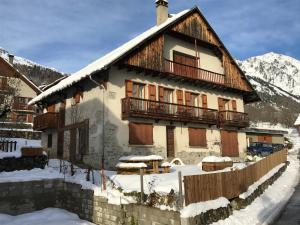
x=23, y=197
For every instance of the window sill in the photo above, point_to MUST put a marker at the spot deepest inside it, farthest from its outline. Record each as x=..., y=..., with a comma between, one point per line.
x=198, y=146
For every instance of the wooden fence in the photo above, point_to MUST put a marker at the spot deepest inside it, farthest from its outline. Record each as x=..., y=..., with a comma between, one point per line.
x=8, y=146
x=198, y=188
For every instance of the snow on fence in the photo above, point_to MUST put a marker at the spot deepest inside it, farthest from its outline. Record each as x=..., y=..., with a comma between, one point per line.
x=204, y=187
x=8, y=146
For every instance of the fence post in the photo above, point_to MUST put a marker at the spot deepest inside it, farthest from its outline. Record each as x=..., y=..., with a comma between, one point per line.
x=180, y=189
x=142, y=185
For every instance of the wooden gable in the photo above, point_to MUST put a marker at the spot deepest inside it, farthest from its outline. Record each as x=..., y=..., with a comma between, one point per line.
x=150, y=54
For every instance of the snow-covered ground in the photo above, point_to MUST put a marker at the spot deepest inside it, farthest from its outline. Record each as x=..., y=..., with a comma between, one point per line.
x=21, y=142
x=267, y=207
x=50, y=216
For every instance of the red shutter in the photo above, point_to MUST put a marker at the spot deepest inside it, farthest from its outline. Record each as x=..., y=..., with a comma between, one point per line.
x=197, y=137
x=152, y=92
x=161, y=94
x=234, y=105
x=221, y=104
x=180, y=97
x=140, y=134
x=128, y=87
x=204, y=101
x=187, y=98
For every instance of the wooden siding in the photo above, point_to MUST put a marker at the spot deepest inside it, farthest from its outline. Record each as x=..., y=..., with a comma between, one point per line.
x=149, y=56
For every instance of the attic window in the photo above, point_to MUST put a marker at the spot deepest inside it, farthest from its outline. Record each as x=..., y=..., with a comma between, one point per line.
x=77, y=95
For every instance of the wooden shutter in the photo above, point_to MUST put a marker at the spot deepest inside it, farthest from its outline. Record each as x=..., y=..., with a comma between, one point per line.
x=179, y=94
x=221, y=104
x=197, y=137
x=128, y=88
x=152, y=92
x=29, y=118
x=187, y=98
x=4, y=82
x=161, y=94
x=140, y=134
x=229, y=141
x=234, y=105
x=204, y=101
x=51, y=108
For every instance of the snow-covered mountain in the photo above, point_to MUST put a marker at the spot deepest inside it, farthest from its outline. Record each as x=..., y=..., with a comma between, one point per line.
x=276, y=78
x=39, y=74
x=280, y=70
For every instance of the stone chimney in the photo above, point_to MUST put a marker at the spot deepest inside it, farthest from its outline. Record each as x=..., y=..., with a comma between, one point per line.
x=11, y=59
x=162, y=13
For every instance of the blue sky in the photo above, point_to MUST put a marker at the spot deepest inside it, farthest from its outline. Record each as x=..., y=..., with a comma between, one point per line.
x=69, y=34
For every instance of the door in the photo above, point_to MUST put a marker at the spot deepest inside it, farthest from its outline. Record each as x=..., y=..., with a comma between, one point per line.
x=170, y=142
x=229, y=143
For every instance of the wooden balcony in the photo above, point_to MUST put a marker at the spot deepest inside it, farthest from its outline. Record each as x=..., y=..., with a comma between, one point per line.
x=195, y=73
x=144, y=108
x=233, y=119
x=22, y=107
x=45, y=121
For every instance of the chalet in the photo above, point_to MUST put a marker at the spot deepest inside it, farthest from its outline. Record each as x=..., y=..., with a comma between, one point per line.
x=173, y=91
x=21, y=89
x=297, y=124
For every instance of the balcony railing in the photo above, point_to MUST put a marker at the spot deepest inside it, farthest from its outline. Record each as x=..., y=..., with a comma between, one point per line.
x=144, y=108
x=22, y=106
x=232, y=118
x=47, y=120
x=193, y=72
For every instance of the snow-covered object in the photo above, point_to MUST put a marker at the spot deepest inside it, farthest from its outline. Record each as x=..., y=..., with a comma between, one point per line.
x=166, y=164
x=177, y=161
x=21, y=142
x=279, y=70
x=216, y=159
x=195, y=209
x=49, y=216
x=297, y=122
x=138, y=158
x=122, y=165
x=108, y=59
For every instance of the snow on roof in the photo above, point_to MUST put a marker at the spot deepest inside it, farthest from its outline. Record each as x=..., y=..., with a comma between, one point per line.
x=297, y=122
x=107, y=59
x=122, y=165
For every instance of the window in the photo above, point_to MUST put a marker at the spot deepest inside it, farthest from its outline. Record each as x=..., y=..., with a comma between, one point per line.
x=194, y=100
x=138, y=90
x=168, y=95
x=197, y=137
x=140, y=134
x=77, y=96
x=49, y=144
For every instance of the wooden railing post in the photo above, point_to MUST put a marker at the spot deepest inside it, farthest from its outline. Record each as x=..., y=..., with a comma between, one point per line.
x=180, y=189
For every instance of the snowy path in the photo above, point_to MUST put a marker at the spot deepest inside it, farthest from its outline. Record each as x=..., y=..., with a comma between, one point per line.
x=291, y=214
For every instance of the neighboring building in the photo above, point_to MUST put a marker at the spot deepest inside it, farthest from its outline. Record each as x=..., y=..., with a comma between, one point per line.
x=10, y=78
x=173, y=91
x=297, y=124
x=265, y=135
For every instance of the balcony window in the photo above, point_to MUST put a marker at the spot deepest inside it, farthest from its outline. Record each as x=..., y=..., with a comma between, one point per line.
x=138, y=90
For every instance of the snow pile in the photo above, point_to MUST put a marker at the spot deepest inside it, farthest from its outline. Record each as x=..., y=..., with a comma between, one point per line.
x=177, y=161
x=121, y=165
x=195, y=209
x=21, y=142
x=49, y=216
x=166, y=164
x=138, y=158
x=29, y=175
x=216, y=159
x=106, y=60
